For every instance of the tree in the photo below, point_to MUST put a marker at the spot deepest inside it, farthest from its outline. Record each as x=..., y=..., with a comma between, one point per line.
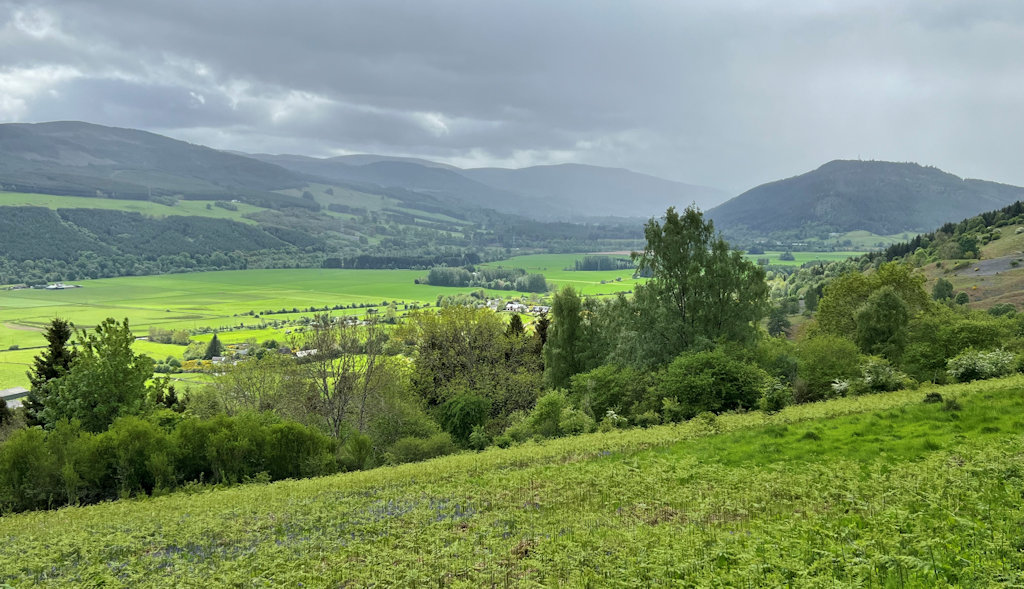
x=461, y=349
x=778, y=322
x=343, y=370
x=564, y=350
x=515, y=327
x=214, y=348
x=844, y=296
x=882, y=324
x=700, y=289
x=811, y=300
x=52, y=363
x=962, y=298
x=5, y=413
x=105, y=381
x=943, y=290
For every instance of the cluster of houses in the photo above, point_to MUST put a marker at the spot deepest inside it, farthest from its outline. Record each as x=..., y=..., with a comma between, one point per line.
x=54, y=286
x=516, y=307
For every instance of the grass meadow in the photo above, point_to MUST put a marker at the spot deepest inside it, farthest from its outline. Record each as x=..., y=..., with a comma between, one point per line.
x=223, y=300
x=801, y=258
x=195, y=208
x=872, y=491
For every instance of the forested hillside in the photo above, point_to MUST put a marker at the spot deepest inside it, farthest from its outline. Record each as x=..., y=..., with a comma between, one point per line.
x=847, y=195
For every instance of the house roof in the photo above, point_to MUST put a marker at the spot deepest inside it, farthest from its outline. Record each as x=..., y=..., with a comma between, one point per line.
x=13, y=393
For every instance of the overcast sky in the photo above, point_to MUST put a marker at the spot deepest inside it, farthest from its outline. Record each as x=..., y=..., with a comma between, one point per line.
x=727, y=94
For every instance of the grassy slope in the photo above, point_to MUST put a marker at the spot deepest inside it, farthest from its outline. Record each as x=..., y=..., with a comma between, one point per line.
x=878, y=490
x=985, y=287
x=194, y=208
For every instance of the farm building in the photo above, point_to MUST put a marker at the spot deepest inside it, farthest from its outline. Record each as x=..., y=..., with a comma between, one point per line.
x=13, y=396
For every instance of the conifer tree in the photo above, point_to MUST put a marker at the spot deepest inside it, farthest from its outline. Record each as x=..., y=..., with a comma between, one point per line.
x=52, y=363
x=215, y=348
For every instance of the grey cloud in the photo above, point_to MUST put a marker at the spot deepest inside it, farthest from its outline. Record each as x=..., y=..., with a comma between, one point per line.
x=725, y=94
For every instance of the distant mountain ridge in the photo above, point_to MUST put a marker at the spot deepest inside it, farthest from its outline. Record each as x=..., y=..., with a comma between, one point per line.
x=540, y=192
x=588, y=189
x=847, y=195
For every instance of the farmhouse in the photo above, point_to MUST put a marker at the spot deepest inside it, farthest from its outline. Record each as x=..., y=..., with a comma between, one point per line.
x=516, y=307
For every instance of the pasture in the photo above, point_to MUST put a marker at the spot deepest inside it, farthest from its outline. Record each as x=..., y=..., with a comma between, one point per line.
x=801, y=258
x=877, y=490
x=223, y=301
x=197, y=208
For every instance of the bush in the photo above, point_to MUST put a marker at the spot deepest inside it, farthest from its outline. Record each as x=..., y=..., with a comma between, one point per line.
x=710, y=381
x=573, y=422
x=357, y=453
x=462, y=413
x=608, y=387
x=613, y=421
x=777, y=396
x=417, y=449
x=546, y=416
x=877, y=376
x=478, y=438
x=822, y=360
x=975, y=365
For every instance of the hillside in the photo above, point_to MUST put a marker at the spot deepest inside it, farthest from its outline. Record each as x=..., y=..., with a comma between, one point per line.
x=568, y=191
x=444, y=183
x=82, y=159
x=878, y=490
x=845, y=195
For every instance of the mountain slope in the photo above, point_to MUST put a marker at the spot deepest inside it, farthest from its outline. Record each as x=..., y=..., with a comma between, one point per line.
x=594, y=190
x=434, y=180
x=541, y=192
x=83, y=159
x=846, y=195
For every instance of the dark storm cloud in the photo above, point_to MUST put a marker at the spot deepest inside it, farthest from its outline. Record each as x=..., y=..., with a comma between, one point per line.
x=727, y=94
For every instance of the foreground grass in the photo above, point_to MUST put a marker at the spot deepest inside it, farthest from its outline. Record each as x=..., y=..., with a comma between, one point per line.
x=877, y=491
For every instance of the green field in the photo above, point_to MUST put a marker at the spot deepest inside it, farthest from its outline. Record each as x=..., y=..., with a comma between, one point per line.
x=554, y=268
x=877, y=491
x=148, y=208
x=222, y=300
x=801, y=258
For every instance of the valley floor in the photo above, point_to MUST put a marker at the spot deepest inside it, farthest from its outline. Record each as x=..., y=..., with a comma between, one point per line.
x=879, y=491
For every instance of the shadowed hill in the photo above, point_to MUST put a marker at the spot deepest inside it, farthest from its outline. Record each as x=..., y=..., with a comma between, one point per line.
x=846, y=195
x=82, y=159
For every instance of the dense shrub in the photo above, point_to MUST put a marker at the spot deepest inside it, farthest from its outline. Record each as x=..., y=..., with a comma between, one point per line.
x=777, y=396
x=416, y=449
x=977, y=365
x=608, y=387
x=877, y=375
x=822, y=360
x=710, y=381
x=69, y=465
x=462, y=413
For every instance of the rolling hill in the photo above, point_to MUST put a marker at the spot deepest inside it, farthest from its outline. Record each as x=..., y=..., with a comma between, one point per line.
x=847, y=195
x=82, y=159
x=566, y=191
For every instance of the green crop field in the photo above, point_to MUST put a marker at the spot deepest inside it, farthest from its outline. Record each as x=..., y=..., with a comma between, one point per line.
x=877, y=491
x=801, y=258
x=151, y=209
x=557, y=269
x=223, y=300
